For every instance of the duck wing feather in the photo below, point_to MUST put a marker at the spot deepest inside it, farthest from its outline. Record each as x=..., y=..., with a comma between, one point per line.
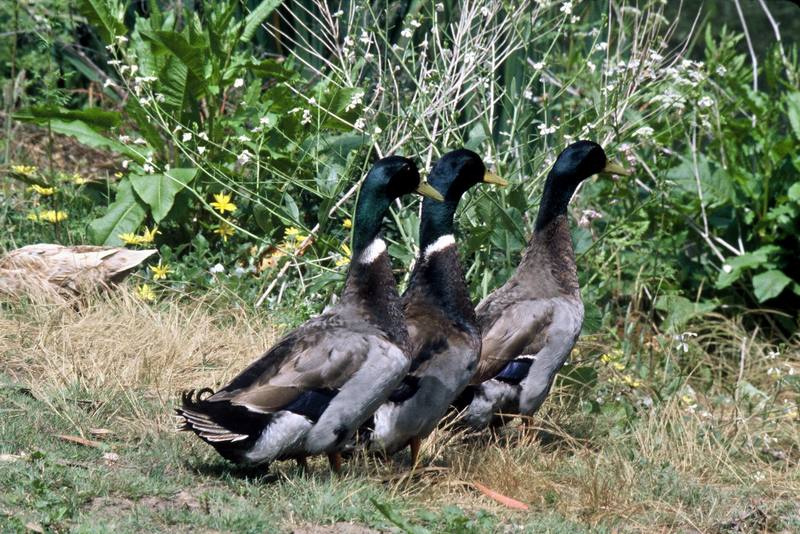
x=511, y=328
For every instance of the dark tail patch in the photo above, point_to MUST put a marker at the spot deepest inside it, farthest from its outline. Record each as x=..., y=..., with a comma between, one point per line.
x=230, y=429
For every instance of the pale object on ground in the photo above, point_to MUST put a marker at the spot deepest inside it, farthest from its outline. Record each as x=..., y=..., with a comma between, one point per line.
x=58, y=271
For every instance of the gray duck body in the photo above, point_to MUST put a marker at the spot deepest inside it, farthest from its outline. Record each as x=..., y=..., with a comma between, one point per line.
x=312, y=390
x=441, y=320
x=530, y=325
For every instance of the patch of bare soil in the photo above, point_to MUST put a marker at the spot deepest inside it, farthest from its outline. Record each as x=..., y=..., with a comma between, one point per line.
x=33, y=145
x=337, y=528
x=111, y=506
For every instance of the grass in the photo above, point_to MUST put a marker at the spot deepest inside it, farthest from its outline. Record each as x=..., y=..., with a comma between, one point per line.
x=110, y=373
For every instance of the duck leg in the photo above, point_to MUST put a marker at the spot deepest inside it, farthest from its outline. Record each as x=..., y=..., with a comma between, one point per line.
x=414, y=444
x=335, y=459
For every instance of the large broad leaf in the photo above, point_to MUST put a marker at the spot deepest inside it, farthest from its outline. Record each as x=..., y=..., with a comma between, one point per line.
x=257, y=16
x=680, y=310
x=194, y=57
x=86, y=135
x=93, y=116
x=124, y=215
x=734, y=267
x=159, y=190
x=769, y=284
x=793, y=111
x=106, y=16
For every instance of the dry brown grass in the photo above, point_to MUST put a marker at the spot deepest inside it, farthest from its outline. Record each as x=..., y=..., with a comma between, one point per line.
x=119, y=342
x=671, y=468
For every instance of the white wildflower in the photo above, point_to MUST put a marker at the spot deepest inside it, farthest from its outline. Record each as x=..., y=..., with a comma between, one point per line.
x=238, y=82
x=539, y=65
x=201, y=149
x=360, y=124
x=705, y=102
x=566, y=7
x=264, y=120
x=377, y=130
x=218, y=268
x=121, y=39
x=244, y=157
x=407, y=33
x=440, y=7
x=415, y=23
x=186, y=137
x=682, y=340
x=125, y=163
x=243, y=139
x=203, y=135
x=355, y=101
x=109, y=83
x=527, y=94
x=721, y=71
x=587, y=216
x=124, y=138
x=601, y=46
x=644, y=131
x=727, y=268
x=306, y=117
x=544, y=129
x=139, y=141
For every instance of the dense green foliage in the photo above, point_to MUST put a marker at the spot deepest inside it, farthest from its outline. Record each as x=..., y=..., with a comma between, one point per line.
x=241, y=129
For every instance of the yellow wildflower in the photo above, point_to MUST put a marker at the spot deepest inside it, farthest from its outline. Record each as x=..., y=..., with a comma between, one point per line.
x=346, y=254
x=687, y=399
x=148, y=235
x=618, y=366
x=53, y=216
x=632, y=382
x=129, y=238
x=292, y=238
x=347, y=223
x=77, y=179
x=25, y=170
x=33, y=217
x=222, y=203
x=224, y=230
x=160, y=272
x=44, y=191
x=146, y=293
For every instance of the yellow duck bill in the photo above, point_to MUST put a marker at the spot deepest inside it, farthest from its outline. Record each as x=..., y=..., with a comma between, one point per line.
x=612, y=167
x=492, y=178
x=427, y=190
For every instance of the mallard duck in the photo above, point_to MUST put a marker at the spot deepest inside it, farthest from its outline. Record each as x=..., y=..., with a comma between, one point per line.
x=310, y=392
x=531, y=323
x=445, y=339
x=60, y=272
